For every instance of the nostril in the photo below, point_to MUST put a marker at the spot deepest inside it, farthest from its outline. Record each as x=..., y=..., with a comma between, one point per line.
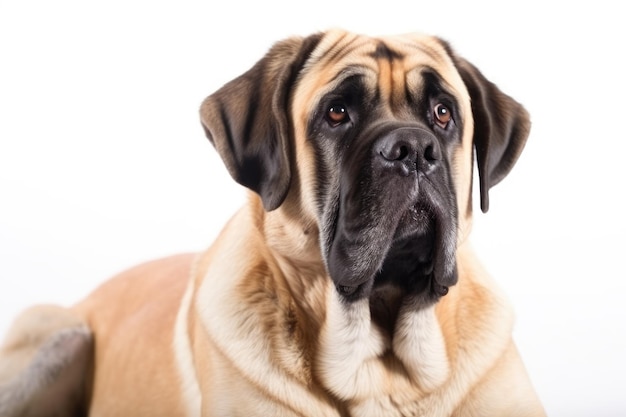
x=429, y=154
x=404, y=153
x=395, y=152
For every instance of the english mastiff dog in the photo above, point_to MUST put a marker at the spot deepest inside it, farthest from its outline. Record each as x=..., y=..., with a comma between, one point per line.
x=345, y=286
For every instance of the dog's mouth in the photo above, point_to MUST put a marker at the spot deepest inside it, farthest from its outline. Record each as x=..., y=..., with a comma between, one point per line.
x=417, y=256
x=409, y=262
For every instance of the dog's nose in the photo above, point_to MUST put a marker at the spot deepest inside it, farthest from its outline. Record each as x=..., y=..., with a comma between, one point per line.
x=406, y=150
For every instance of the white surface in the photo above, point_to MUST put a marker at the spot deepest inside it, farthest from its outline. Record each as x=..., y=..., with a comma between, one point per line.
x=103, y=163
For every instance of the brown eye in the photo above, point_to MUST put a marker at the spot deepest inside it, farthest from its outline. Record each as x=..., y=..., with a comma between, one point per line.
x=337, y=114
x=442, y=115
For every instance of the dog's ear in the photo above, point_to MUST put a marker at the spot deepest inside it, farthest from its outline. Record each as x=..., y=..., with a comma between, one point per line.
x=501, y=127
x=248, y=121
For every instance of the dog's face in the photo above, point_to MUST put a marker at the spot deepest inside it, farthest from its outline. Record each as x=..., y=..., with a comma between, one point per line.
x=369, y=141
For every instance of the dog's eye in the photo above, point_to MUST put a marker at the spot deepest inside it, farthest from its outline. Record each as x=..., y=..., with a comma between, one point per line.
x=337, y=114
x=442, y=115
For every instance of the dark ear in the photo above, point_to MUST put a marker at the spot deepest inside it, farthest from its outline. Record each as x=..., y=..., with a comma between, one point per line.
x=248, y=120
x=501, y=127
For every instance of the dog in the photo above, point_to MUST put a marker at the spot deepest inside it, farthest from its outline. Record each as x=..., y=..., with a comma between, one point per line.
x=345, y=286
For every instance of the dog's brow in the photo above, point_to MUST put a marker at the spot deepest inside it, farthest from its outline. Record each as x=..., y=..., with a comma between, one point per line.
x=382, y=51
x=350, y=71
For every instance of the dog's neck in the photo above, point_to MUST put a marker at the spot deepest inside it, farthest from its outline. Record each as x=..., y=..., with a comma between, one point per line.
x=331, y=342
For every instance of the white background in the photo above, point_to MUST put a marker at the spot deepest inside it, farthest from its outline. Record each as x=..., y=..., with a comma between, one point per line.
x=103, y=163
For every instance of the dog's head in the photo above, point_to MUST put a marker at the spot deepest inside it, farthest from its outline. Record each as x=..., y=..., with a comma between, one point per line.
x=371, y=142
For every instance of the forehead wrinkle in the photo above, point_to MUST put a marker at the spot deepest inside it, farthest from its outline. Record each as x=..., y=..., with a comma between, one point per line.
x=393, y=80
x=426, y=45
x=430, y=55
x=338, y=51
x=398, y=58
x=423, y=51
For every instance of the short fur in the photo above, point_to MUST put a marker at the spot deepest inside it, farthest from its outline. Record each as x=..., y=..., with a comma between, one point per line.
x=346, y=286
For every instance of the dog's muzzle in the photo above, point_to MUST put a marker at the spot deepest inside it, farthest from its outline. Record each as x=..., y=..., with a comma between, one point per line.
x=396, y=220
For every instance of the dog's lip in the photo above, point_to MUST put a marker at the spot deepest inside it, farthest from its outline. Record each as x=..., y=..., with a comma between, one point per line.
x=414, y=242
x=418, y=255
x=402, y=266
x=417, y=220
x=416, y=223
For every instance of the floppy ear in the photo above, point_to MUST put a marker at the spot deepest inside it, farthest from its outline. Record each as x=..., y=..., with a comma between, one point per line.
x=501, y=127
x=248, y=122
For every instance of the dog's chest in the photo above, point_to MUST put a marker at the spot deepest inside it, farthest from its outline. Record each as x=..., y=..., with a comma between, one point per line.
x=376, y=371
